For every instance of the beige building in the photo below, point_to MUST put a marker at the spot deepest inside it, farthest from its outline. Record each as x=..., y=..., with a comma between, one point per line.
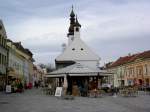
x=20, y=62
x=38, y=74
x=3, y=56
x=131, y=69
x=16, y=62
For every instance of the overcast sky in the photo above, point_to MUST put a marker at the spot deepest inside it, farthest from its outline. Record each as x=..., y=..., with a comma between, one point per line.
x=112, y=28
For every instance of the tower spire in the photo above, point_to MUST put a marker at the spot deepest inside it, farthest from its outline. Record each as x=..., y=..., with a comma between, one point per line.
x=77, y=23
x=72, y=22
x=72, y=13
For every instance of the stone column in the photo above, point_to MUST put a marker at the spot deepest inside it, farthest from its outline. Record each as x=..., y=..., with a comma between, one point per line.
x=65, y=85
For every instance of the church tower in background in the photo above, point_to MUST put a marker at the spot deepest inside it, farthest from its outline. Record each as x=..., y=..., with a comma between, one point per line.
x=76, y=51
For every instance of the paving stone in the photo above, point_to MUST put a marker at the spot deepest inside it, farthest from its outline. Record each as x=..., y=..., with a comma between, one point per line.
x=34, y=101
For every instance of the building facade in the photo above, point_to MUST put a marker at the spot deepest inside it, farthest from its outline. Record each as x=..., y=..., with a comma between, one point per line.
x=20, y=62
x=38, y=74
x=131, y=70
x=3, y=56
x=77, y=66
x=76, y=50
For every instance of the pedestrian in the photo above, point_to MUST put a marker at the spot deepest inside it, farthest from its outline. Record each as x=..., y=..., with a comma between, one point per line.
x=115, y=92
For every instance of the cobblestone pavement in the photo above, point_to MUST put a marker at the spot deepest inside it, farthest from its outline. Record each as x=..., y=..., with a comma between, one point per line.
x=34, y=101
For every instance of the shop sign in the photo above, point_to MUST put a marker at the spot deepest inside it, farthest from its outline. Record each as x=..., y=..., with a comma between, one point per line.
x=8, y=88
x=58, y=91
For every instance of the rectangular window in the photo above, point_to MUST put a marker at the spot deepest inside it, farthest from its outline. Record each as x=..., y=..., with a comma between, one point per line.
x=5, y=61
x=0, y=58
x=139, y=70
x=4, y=41
x=133, y=72
x=0, y=39
x=146, y=71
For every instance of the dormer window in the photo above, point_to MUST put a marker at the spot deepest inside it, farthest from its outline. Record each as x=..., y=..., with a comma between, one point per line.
x=81, y=49
x=77, y=29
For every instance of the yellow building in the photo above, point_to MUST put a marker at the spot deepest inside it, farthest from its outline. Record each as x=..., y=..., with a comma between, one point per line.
x=131, y=70
x=138, y=70
x=20, y=62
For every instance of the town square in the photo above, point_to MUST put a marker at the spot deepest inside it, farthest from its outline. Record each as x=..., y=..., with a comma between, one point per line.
x=34, y=101
x=80, y=56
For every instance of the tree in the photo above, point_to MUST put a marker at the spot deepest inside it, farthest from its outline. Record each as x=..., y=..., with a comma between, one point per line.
x=49, y=67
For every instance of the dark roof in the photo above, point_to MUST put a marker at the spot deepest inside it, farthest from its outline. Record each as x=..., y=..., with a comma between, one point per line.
x=130, y=58
x=20, y=47
x=72, y=23
x=28, y=51
x=34, y=67
x=8, y=40
x=145, y=54
x=77, y=23
x=122, y=60
x=72, y=13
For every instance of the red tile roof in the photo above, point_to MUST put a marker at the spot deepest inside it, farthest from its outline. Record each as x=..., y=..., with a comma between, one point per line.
x=130, y=58
x=144, y=55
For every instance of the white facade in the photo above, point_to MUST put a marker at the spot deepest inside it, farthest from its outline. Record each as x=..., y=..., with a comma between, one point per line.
x=78, y=51
x=18, y=63
x=26, y=71
x=77, y=59
x=14, y=61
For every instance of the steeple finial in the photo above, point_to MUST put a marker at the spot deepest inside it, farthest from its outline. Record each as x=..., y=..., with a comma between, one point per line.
x=72, y=13
x=72, y=22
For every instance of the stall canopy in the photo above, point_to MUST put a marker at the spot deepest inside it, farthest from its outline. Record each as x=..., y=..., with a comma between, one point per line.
x=78, y=69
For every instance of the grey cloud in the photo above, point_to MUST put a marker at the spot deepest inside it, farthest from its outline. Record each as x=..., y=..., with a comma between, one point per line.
x=44, y=48
x=113, y=28
x=111, y=49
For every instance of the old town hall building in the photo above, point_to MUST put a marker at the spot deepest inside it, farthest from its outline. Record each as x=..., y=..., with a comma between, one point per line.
x=77, y=66
x=76, y=50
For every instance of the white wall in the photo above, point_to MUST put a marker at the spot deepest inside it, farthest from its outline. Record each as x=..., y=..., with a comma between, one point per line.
x=16, y=63
x=70, y=39
x=26, y=71
x=92, y=64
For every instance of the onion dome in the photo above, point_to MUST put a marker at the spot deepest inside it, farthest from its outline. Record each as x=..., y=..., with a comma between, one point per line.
x=72, y=22
x=72, y=13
